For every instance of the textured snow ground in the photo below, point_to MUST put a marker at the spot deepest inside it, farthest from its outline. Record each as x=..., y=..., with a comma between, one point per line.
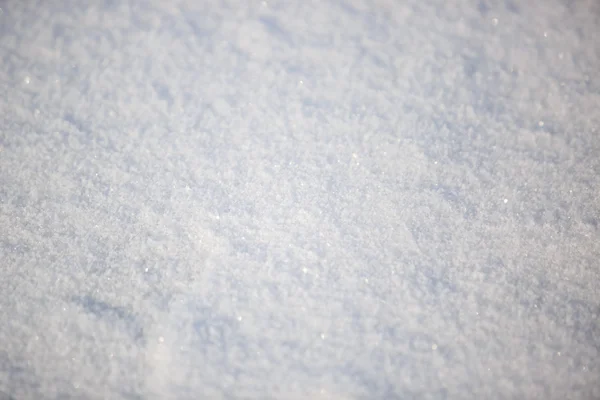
x=296, y=199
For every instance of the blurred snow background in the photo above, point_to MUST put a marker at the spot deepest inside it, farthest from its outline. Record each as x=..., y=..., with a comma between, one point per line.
x=299, y=199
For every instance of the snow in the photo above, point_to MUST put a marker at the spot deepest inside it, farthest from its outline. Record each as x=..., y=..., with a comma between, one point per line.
x=301, y=199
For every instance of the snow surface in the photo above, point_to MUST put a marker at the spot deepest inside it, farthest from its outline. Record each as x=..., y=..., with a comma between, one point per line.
x=300, y=199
